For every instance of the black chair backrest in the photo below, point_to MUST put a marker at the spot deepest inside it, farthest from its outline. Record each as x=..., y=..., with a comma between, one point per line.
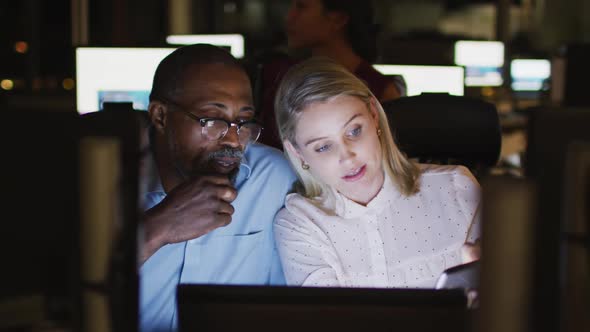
x=446, y=129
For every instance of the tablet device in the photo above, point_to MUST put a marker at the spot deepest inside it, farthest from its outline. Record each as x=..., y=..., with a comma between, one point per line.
x=464, y=276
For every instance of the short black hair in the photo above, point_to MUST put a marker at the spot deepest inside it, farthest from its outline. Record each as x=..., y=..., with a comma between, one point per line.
x=361, y=30
x=170, y=72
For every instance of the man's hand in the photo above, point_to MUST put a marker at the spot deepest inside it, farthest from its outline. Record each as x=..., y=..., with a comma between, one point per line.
x=190, y=210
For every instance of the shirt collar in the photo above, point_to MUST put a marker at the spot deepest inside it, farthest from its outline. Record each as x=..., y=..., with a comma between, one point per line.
x=245, y=167
x=349, y=209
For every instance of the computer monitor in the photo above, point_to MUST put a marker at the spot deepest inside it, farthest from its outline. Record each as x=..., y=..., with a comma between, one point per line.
x=483, y=61
x=427, y=79
x=265, y=309
x=115, y=74
x=529, y=75
x=233, y=42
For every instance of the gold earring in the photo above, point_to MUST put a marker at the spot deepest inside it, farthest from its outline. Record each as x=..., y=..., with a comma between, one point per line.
x=304, y=165
x=379, y=132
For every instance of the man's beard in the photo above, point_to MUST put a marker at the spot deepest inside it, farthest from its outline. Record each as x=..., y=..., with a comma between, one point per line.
x=204, y=165
x=226, y=152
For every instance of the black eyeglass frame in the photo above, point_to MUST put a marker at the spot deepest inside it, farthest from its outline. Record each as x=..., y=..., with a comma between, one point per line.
x=203, y=122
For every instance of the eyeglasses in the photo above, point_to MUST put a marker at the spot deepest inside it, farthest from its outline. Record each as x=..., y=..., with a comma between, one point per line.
x=215, y=128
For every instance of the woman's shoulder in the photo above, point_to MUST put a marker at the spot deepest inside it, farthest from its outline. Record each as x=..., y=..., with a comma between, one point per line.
x=456, y=174
x=451, y=183
x=299, y=206
x=295, y=212
x=298, y=202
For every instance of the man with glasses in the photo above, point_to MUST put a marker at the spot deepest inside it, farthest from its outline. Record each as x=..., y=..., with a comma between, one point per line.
x=211, y=219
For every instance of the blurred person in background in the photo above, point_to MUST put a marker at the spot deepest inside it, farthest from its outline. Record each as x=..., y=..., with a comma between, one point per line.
x=343, y=30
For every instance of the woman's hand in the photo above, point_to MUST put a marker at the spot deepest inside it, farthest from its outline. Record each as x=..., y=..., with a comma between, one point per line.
x=470, y=252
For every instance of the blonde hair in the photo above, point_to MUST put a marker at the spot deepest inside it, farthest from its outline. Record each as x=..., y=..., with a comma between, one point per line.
x=320, y=79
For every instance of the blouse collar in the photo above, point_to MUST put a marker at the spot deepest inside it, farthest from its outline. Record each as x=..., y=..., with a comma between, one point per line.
x=349, y=209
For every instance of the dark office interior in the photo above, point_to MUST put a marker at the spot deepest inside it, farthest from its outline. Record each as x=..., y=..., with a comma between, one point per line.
x=67, y=174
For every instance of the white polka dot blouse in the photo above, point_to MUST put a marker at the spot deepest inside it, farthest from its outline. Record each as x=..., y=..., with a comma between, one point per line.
x=394, y=241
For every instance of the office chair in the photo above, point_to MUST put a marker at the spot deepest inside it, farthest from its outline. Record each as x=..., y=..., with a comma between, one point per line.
x=445, y=129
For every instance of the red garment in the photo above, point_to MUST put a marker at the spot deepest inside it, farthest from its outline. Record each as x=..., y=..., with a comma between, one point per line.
x=273, y=73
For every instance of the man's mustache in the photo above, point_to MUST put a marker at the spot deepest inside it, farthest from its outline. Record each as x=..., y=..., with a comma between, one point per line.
x=226, y=153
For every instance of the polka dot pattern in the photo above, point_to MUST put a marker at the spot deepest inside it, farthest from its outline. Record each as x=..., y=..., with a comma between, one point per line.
x=394, y=241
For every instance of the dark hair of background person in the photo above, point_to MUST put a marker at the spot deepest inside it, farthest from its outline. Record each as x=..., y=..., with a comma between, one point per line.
x=361, y=30
x=169, y=74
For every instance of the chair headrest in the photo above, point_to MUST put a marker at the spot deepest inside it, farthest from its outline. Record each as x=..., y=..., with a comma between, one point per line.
x=446, y=127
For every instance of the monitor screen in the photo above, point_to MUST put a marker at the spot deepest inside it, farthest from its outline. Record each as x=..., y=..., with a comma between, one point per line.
x=111, y=74
x=234, y=43
x=429, y=79
x=483, y=61
x=529, y=74
x=259, y=308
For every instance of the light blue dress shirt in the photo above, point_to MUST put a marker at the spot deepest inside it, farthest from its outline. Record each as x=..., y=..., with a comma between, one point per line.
x=242, y=252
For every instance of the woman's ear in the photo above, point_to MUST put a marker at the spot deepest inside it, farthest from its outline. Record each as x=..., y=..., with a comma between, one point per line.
x=373, y=112
x=158, y=115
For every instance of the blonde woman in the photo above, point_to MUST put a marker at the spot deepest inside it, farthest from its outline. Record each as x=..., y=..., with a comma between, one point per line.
x=363, y=215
